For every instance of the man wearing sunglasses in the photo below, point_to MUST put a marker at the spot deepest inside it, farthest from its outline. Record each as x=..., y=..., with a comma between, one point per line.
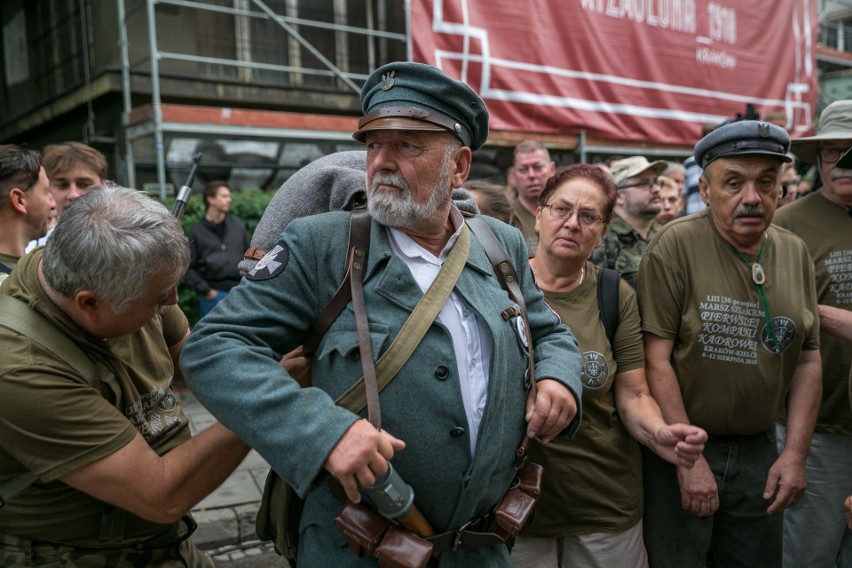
x=632, y=224
x=815, y=533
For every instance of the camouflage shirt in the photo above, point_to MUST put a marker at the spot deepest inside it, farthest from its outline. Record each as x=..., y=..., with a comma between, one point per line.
x=623, y=248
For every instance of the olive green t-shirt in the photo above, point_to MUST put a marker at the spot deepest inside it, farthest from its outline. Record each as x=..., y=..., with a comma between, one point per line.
x=826, y=229
x=9, y=260
x=593, y=483
x=695, y=289
x=525, y=221
x=52, y=422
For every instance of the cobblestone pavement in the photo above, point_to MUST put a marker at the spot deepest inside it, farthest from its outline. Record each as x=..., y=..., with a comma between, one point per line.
x=225, y=517
x=250, y=554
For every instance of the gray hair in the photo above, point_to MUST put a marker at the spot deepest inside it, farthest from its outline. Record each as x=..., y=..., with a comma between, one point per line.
x=672, y=167
x=111, y=241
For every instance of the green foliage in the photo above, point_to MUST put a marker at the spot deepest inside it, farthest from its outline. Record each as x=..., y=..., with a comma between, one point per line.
x=247, y=206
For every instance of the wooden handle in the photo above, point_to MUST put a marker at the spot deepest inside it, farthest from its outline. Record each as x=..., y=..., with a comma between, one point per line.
x=417, y=523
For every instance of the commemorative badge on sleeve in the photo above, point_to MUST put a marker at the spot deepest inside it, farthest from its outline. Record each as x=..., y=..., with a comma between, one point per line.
x=271, y=264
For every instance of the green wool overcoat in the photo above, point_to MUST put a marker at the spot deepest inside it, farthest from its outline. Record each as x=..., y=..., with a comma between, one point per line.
x=231, y=363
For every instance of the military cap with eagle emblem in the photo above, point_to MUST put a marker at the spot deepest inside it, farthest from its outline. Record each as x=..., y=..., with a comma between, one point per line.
x=414, y=96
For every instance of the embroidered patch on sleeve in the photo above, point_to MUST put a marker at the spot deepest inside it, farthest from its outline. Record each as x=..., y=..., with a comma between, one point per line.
x=270, y=265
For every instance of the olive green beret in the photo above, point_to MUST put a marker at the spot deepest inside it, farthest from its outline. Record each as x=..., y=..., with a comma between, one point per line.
x=413, y=96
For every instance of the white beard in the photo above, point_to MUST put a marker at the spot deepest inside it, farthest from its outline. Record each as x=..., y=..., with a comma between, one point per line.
x=396, y=208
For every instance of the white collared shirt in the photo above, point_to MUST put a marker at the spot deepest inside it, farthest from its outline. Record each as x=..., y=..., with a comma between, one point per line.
x=471, y=340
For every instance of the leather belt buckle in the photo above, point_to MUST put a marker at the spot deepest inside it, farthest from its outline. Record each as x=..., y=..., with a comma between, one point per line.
x=457, y=539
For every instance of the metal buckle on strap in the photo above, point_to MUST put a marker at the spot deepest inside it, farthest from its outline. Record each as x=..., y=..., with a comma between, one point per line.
x=457, y=539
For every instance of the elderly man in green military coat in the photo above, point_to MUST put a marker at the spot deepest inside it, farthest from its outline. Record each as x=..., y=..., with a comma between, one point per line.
x=455, y=414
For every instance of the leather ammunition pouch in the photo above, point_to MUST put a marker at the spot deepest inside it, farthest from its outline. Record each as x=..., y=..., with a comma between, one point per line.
x=515, y=510
x=371, y=535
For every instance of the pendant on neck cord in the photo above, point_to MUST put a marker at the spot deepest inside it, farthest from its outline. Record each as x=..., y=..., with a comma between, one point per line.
x=757, y=274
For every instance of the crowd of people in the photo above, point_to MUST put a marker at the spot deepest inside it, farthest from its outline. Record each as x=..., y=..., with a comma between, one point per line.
x=653, y=356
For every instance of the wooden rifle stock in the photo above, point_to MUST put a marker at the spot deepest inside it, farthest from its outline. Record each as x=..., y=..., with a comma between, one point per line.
x=417, y=523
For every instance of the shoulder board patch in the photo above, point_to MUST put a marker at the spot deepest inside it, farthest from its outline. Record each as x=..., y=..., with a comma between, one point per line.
x=552, y=311
x=272, y=264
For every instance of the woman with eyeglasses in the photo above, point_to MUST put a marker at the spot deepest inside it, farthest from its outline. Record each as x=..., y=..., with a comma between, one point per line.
x=590, y=510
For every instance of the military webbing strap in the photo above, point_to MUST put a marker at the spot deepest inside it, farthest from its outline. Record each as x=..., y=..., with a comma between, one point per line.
x=19, y=317
x=415, y=326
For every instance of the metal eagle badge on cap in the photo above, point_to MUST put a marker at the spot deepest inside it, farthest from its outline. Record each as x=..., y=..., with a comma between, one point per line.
x=387, y=80
x=271, y=264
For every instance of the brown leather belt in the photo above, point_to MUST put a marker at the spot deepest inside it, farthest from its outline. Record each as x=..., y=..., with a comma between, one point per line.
x=470, y=535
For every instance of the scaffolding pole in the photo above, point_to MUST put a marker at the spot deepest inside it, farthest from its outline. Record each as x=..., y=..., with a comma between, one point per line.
x=156, y=108
x=129, y=164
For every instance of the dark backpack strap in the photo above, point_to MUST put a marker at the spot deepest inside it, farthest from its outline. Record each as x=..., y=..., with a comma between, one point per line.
x=608, y=284
x=359, y=237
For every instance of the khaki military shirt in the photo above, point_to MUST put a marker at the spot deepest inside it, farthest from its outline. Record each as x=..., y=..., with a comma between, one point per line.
x=826, y=229
x=695, y=289
x=9, y=260
x=52, y=422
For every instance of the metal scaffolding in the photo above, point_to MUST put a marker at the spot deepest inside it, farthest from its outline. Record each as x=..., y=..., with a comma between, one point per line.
x=244, y=65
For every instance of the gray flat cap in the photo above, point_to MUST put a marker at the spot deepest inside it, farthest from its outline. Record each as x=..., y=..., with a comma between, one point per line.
x=743, y=138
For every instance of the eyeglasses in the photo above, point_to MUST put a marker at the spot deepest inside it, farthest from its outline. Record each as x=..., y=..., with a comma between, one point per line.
x=584, y=218
x=645, y=184
x=831, y=155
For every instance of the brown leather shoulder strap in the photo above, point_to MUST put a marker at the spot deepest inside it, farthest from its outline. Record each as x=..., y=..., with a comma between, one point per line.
x=505, y=272
x=359, y=237
x=357, y=264
x=254, y=253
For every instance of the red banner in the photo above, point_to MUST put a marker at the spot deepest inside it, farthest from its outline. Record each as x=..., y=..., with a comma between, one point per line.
x=652, y=71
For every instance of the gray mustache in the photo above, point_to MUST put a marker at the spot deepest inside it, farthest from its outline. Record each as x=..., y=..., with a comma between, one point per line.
x=389, y=179
x=750, y=211
x=840, y=173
